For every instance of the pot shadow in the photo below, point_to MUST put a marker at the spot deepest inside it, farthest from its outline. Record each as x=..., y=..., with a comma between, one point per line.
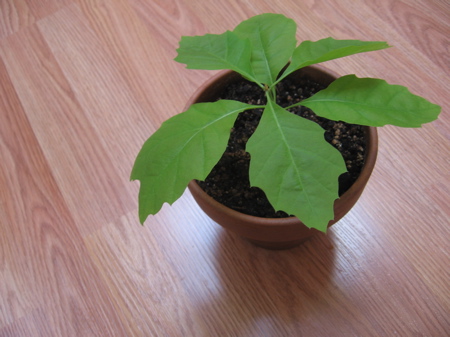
x=263, y=292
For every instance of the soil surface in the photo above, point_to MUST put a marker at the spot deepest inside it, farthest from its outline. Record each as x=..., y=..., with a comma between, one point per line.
x=229, y=182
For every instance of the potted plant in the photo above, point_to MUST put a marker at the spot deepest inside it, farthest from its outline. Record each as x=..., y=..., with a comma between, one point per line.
x=293, y=164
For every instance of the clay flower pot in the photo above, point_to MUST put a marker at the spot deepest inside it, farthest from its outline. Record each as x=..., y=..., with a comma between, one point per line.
x=277, y=233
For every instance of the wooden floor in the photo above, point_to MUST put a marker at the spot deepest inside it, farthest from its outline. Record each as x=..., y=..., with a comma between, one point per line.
x=84, y=83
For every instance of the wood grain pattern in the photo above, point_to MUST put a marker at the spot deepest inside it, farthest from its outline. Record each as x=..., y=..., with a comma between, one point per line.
x=37, y=226
x=84, y=82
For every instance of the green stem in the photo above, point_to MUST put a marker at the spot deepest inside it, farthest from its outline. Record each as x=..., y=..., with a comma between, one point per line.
x=271, y=93
x=294, y=105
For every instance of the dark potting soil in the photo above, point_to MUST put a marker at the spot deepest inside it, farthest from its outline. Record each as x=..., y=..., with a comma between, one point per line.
x=229, y=182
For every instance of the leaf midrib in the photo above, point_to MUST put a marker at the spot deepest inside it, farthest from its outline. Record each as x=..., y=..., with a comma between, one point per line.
x=291, y=156
x=181, y=149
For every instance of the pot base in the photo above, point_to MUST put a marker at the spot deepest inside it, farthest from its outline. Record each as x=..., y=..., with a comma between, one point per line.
x=269, y=233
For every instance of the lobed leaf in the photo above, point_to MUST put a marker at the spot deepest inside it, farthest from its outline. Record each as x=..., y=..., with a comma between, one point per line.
x=272, y=39
x=373, y=102
x=216, y=52
x=309, y=52
x=289, y=157
x=185, y=147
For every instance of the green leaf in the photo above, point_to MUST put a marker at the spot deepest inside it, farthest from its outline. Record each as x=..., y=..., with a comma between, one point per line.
x=216, y=52
x=294, y=165
x=309, y=52
x=272, y=37
x=185, y=147
x=373, y=102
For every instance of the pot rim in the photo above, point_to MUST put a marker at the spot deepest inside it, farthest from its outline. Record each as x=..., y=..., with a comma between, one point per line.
x=370, y=159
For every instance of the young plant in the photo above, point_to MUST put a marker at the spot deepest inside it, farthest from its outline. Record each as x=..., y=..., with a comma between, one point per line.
x=303, y=179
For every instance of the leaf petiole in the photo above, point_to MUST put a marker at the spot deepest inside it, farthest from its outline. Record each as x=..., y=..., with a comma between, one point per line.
x=294, y=105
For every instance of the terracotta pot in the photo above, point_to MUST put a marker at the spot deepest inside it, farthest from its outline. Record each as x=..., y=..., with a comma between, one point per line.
x=277, y=233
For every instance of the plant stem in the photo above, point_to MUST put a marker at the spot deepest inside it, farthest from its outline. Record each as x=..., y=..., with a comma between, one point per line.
x=271, y=93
